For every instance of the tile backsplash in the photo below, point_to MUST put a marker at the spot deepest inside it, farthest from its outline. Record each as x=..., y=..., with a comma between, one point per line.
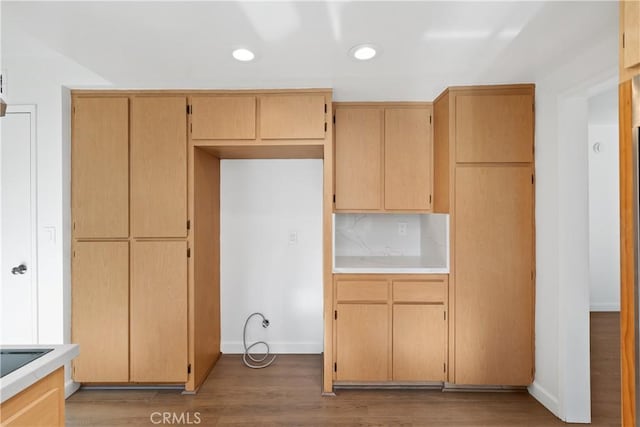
x=377, y=235
x=416, y=236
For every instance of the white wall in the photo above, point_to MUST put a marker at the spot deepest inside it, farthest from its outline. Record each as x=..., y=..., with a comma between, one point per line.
x=37, y=75
x=562, y=257
x=604, y=202
x=264, y=204
x=573, y=260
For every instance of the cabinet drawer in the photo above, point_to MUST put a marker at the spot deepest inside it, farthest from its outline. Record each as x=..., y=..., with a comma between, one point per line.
x=365, y=290
x=420, y=291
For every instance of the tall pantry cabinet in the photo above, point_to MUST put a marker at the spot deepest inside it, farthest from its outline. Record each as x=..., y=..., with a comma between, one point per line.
x=484, y=174
x=129, y=228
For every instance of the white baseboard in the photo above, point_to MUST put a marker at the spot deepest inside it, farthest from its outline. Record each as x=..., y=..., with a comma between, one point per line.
x=605, y=306
x=237, y=347
x=70, y=387
x=545, y=398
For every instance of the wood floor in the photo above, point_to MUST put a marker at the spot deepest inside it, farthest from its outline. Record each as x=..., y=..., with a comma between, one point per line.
x=288, y=393
x=605, y=369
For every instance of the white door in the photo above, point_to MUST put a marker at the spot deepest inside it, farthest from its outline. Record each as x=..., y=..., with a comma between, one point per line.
x=18, y=291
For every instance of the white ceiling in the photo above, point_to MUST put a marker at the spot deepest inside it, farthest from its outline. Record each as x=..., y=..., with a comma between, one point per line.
x=425, y=46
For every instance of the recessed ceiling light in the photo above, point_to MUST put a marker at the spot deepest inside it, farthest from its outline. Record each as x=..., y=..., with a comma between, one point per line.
x=363, y=52
x=243, y=55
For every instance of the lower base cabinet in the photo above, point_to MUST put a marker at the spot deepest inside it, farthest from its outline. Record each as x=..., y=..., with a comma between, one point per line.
x=390, y=328
x=419, y=342
x=40, y=405
x=362, y=342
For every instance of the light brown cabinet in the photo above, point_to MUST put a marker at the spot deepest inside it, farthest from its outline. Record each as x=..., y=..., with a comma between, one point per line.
x=100, y=311
x=362, y=342
x=420, y=329
x=267, y=124
x=419, y=342
x=494, y=275
x=630, y=28
x=292, y=116
x=40, y=405
x=144, y=195
x=159, y=166
x=359, y=154
x=494, y=128
x=486, y=135
x=100, y=167
x=129, y=311
x=223, y=117
x=407, y=159
x=362, y=329
x=384, y=157
x=159, y=311
x=390, y=328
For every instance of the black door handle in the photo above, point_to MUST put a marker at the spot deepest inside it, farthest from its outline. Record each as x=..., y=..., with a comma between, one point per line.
x=19, y=269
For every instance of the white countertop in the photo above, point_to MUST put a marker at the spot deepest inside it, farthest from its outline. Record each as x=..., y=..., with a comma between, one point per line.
x=386, y=265
x=18, y=380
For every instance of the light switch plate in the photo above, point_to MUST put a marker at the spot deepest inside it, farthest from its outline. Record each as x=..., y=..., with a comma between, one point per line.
x=50, y=233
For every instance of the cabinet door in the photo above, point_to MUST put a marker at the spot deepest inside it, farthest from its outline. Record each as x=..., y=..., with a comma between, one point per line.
x=408, y=157
x=159, y=167
x=362, y=343
x=292, y=117
x=100, y=311
x=419, y=346
x=100, y=167
x=223, y=117
x=42, y=412
x=41, y=404
x=493, y=243
x=494, y=128
x=359, y=158
x=631, y=23
x=159, y=311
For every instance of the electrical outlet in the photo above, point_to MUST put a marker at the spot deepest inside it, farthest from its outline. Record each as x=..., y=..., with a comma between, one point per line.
x=402, y=229
x=293, y=238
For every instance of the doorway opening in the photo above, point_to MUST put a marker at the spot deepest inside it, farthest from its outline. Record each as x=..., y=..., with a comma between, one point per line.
x=604, y=254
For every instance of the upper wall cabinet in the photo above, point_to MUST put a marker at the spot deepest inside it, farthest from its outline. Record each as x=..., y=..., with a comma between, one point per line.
x=223, y=117
x=100, y=167
x=359, y=158
x=630, y=27
x=297, y=116
x=159, y=167
x=384, y=157
x=494, y=128
x=408, y=160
